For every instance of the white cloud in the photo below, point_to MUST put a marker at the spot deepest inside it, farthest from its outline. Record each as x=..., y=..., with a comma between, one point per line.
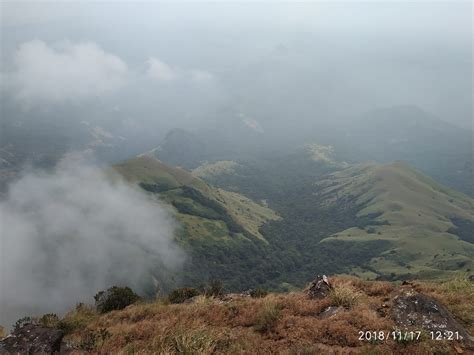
x=64, y=72
x=201, y=75
x=160, y=71
x=69, y=233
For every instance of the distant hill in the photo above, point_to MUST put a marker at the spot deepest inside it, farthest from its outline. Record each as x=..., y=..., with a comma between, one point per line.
x=235, y=136
x=430, y=228
x=181, y=148
x=439, y=149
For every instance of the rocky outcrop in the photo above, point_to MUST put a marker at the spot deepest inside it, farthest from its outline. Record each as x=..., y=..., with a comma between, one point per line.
x=32, y=339
x=319, y=287
x=416, y=310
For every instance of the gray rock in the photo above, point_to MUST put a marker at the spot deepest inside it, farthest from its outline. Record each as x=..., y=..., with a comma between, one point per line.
x=416, y=310
x=319, y=287
x=32, y=339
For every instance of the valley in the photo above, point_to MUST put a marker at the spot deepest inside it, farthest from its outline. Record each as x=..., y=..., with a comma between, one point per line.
x=277, y=222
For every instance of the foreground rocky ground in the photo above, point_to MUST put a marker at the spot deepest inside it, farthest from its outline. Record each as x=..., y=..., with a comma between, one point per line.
x=341, y=315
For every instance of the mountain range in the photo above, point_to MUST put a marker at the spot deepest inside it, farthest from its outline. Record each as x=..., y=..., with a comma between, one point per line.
x=276, y=222
x=387, y=197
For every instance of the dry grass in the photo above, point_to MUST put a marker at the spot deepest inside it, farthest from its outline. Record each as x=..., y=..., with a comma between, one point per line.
x=79, y=318
x=267, y=317
x=379, y=288
x=183, y=341
x=279, y=323
x=345, y=295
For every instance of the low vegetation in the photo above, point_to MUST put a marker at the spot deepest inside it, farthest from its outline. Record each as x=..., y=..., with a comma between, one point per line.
x=267, y=317
x=285, y=323
x=115, y=298
x=258, y=293
x=180, y=295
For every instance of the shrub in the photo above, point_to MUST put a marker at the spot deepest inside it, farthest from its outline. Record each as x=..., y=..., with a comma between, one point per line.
x=92, y=339
x=115, y=298
x=23, y=321
x=49, y=320
x=214, y=289
x=88, y=341
x=258, y=293
x=79, y=318
x=182, y=294
x=344, y=295
x=267, y=317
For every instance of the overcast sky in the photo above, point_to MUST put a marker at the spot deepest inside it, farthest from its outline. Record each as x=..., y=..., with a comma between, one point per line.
x=180, y=63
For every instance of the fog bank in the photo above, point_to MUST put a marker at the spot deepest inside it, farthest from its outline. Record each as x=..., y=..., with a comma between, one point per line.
x=69, y=233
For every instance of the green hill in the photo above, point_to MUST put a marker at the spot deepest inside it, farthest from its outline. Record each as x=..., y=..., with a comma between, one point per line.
x=215, y=224
x=430, y=227
x=146, y=169
x=194, y=200
x=376, y=221
x=435, y=147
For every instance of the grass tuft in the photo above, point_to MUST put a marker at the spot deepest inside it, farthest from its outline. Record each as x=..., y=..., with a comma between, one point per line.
x=344, y=295
x=179, y=341
x=267, y=317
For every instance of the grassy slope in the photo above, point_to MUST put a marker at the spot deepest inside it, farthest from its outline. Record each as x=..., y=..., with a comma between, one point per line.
x=149, y=170
x=210, y=169
x=419, y=212
x=286, y=323
x=244, y=211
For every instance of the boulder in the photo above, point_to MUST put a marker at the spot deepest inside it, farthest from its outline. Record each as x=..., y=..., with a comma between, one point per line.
x=416, y=310
x=32, y=339
x=319, y=287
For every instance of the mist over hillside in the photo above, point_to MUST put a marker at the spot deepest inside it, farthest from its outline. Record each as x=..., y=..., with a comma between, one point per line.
x=193, y=149
x=68, y=233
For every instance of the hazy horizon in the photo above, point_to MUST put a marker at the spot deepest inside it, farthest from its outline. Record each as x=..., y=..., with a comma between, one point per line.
x=186, y=62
